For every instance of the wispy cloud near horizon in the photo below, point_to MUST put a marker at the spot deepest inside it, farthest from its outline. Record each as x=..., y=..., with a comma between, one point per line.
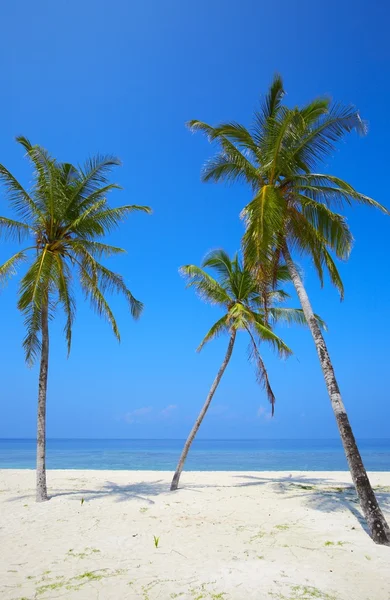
x=135, y=416
x=148, y=413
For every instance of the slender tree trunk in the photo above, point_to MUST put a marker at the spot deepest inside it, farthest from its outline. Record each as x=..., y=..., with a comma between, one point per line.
x=379, y=529
x=41, y=421
x=194, y=430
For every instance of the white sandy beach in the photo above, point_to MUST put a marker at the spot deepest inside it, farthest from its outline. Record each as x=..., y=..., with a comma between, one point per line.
x=230, y=536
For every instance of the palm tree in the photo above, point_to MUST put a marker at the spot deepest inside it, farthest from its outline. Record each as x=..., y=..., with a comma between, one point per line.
x=246, y=307
x=64, y=216
x=293, y=210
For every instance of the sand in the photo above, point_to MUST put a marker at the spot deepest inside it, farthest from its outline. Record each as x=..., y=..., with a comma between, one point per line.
x=230, y=536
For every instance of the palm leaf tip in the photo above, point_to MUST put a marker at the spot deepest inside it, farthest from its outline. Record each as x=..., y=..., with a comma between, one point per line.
x=136, y=308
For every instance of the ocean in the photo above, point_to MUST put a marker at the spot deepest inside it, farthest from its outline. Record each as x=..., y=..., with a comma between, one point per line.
x=205, y=455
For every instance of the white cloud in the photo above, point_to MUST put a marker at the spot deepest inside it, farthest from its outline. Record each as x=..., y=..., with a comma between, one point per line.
x=168, y=410
x=264, y=414
x=219, y=410
x=135, y=416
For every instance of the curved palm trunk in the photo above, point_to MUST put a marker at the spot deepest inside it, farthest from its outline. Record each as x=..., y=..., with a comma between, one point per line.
x=41, y=421
x=194, y=430
x=378, y=527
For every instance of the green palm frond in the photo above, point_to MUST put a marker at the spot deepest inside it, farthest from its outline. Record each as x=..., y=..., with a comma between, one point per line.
x=97, y=300
x=206, y=287
x=315, y=109
x=265, y=333
x=264, y=217
x=108, y=281
x=237, y=134
x=261, y=371
x=220, y=327
x=9, y=268
x=292, y=316
x=331, y=226
x=332, y=191
x=320, y=138
x=220, y=261
x=35, y=287
x=65, y=295
x=231, y=164
x=268, y=109
x=94, y=174
x=24, y=205
x=96, y=249
x=15, y=230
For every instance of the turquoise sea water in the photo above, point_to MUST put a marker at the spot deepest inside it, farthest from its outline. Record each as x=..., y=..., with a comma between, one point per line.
x=206, y=455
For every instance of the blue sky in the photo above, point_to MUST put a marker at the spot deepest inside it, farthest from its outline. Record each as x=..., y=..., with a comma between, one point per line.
x=123, y=78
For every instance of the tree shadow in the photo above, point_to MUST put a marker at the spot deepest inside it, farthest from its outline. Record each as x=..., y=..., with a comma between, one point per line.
x=121, y=493
x=323, y=494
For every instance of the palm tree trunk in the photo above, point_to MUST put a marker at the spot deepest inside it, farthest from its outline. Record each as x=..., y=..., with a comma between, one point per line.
x=41, y=421
x=194, y=430
x=377, y=525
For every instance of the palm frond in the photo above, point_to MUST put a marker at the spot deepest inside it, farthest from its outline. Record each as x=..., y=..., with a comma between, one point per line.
x=66, y=297
x=207, y=288
x=220, y=261
x=9, y=268
x=220, y=327
x=108, y=281
x=35, y=288
x=230, y=163
x=268, y=109
x=261, y=371
x=237, y=134
x=321, y=136
x=292, y=316
x=331, y=226
x=264, y=217
x=266, y=334
x=96, y=249
x=23, y=204
x=15, y=229
x=331, y=190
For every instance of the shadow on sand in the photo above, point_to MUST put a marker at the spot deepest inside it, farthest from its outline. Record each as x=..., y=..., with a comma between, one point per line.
x=121, y=493
x=318, y=493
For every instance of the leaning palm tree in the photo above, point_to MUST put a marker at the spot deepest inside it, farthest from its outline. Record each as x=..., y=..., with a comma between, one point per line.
x=63, y=216
x=247, y=307
x=293, y=210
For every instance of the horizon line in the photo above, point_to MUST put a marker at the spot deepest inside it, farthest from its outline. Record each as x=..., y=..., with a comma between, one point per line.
x=183, y=439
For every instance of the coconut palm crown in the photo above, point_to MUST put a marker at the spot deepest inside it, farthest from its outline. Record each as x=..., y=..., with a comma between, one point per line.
x=278, y=156
x=64, y=217
x=245, y=307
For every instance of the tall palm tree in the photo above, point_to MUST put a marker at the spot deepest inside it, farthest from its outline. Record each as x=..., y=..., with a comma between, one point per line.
x=293, y=210
x=63, y=216
x=246, y=307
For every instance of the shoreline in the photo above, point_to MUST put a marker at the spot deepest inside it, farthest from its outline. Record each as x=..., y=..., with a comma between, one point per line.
x=257, y=535
x=167, y=472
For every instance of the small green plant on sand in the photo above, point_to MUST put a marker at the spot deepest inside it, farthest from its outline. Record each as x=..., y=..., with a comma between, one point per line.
x=156, y=541
x=90, y=576
x=304, y=592
x=258, y=536
x=329, y=543
x=82, y=501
